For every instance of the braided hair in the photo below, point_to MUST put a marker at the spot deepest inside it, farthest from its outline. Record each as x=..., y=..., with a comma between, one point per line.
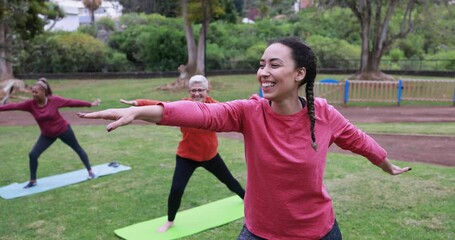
x=304, y=57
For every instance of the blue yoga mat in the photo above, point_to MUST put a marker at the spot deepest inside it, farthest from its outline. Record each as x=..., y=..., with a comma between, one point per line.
x=16, y=190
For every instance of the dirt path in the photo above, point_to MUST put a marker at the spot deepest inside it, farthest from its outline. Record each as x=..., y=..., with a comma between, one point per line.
x=430, y=149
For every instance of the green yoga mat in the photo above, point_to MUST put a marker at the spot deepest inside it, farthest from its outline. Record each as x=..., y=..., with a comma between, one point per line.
x=187, y=222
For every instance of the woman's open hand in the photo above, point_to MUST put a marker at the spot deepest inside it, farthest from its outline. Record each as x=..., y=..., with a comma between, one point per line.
x=120, y=116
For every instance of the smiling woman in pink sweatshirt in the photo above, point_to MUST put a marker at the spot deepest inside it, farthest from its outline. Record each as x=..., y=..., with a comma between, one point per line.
x=286, y=141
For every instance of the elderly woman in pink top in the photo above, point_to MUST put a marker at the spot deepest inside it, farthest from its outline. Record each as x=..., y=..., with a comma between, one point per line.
x=44, y=108
x=286, y=141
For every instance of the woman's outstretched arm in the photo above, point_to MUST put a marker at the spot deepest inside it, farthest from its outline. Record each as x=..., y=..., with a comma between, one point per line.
x=125, y=116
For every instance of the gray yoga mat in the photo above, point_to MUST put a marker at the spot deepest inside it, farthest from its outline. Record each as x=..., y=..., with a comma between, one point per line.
x=16, y=190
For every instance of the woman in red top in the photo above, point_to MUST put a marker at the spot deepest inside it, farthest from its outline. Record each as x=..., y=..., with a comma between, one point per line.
x=44, y=108
x=198, y=148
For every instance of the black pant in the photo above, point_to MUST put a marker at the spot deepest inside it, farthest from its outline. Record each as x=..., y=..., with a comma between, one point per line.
x=184, y=168
x=333, y=234
x=44, y=142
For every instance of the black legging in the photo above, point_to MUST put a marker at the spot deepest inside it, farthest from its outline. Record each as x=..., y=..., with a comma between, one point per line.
x=184, y=168
x=44, y=142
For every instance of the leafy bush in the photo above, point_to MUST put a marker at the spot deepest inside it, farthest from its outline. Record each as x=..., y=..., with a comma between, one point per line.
x=147, y=44
x=106, y=23
x=65, y=52
x=441, y=61
x=396, y=54
x=87, y=29
x=333, y=53
x=215, y=56
x=117, y=62
x=162, y=49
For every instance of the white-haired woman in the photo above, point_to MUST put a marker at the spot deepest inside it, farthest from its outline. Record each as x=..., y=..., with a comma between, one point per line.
x=198, y=148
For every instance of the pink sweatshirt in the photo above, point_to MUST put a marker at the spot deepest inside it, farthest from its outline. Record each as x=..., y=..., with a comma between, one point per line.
x=285, y=195
x=49, y=119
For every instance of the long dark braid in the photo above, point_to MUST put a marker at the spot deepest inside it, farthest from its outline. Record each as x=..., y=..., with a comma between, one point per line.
x=304, y=57
x=310, y=100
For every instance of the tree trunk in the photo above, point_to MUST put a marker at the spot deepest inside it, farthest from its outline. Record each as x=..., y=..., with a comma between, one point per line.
x=188, y=70
x=6, y=68
x=196, y=55
x=92, y=16
x=201, y=49
x=373, y=43
x=191, y=64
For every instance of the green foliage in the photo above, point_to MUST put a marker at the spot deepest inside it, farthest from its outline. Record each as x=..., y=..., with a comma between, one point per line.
x=88, y=29
x=21, y=21
x=268, y=29
x=252, y=56
x=146, y=40
x=444, y=60
x=79, y=52
x=195, y=9
x=167, y=8
x=105, y=23
x=65, y=52
x=396, y=54
x=214, y=54
x=333, y=52
x=412, y=46
x=134, y=19
x=22, y=17
x=230, y=14
x=149, y=43
x=117, y=62
x=335, y=22
x=436, y=27
x=154, y=42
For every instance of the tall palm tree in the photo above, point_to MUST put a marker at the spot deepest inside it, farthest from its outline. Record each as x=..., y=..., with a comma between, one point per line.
x=92, y=5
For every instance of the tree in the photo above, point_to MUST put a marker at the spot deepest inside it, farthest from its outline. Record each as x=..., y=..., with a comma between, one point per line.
x=20, y=20
x=195, y=11
x=376, y=32
x=166, y=8
x=92, y=5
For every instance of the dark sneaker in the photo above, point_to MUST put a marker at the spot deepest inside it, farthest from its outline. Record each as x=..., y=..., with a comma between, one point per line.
x=30, y=184
x=91, y=176
x=113, y=164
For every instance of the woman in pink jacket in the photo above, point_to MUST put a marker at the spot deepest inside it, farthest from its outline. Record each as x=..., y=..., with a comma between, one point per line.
x=44, y=108
x=286, y=141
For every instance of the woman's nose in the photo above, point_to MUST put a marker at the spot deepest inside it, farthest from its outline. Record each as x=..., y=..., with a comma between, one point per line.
x=264, y=71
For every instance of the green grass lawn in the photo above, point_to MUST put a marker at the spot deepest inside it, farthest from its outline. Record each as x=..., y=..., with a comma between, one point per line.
x=369, y=203
x=223, y=88
x=441, y=129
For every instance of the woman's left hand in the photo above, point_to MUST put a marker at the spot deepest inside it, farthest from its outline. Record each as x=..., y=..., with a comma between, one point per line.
x=96, y=102
x=392, y=169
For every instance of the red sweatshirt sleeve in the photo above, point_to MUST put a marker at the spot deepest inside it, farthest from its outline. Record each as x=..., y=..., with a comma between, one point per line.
x=146, y=102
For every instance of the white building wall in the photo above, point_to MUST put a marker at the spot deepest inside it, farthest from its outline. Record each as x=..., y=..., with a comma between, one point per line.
x=77, y=14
